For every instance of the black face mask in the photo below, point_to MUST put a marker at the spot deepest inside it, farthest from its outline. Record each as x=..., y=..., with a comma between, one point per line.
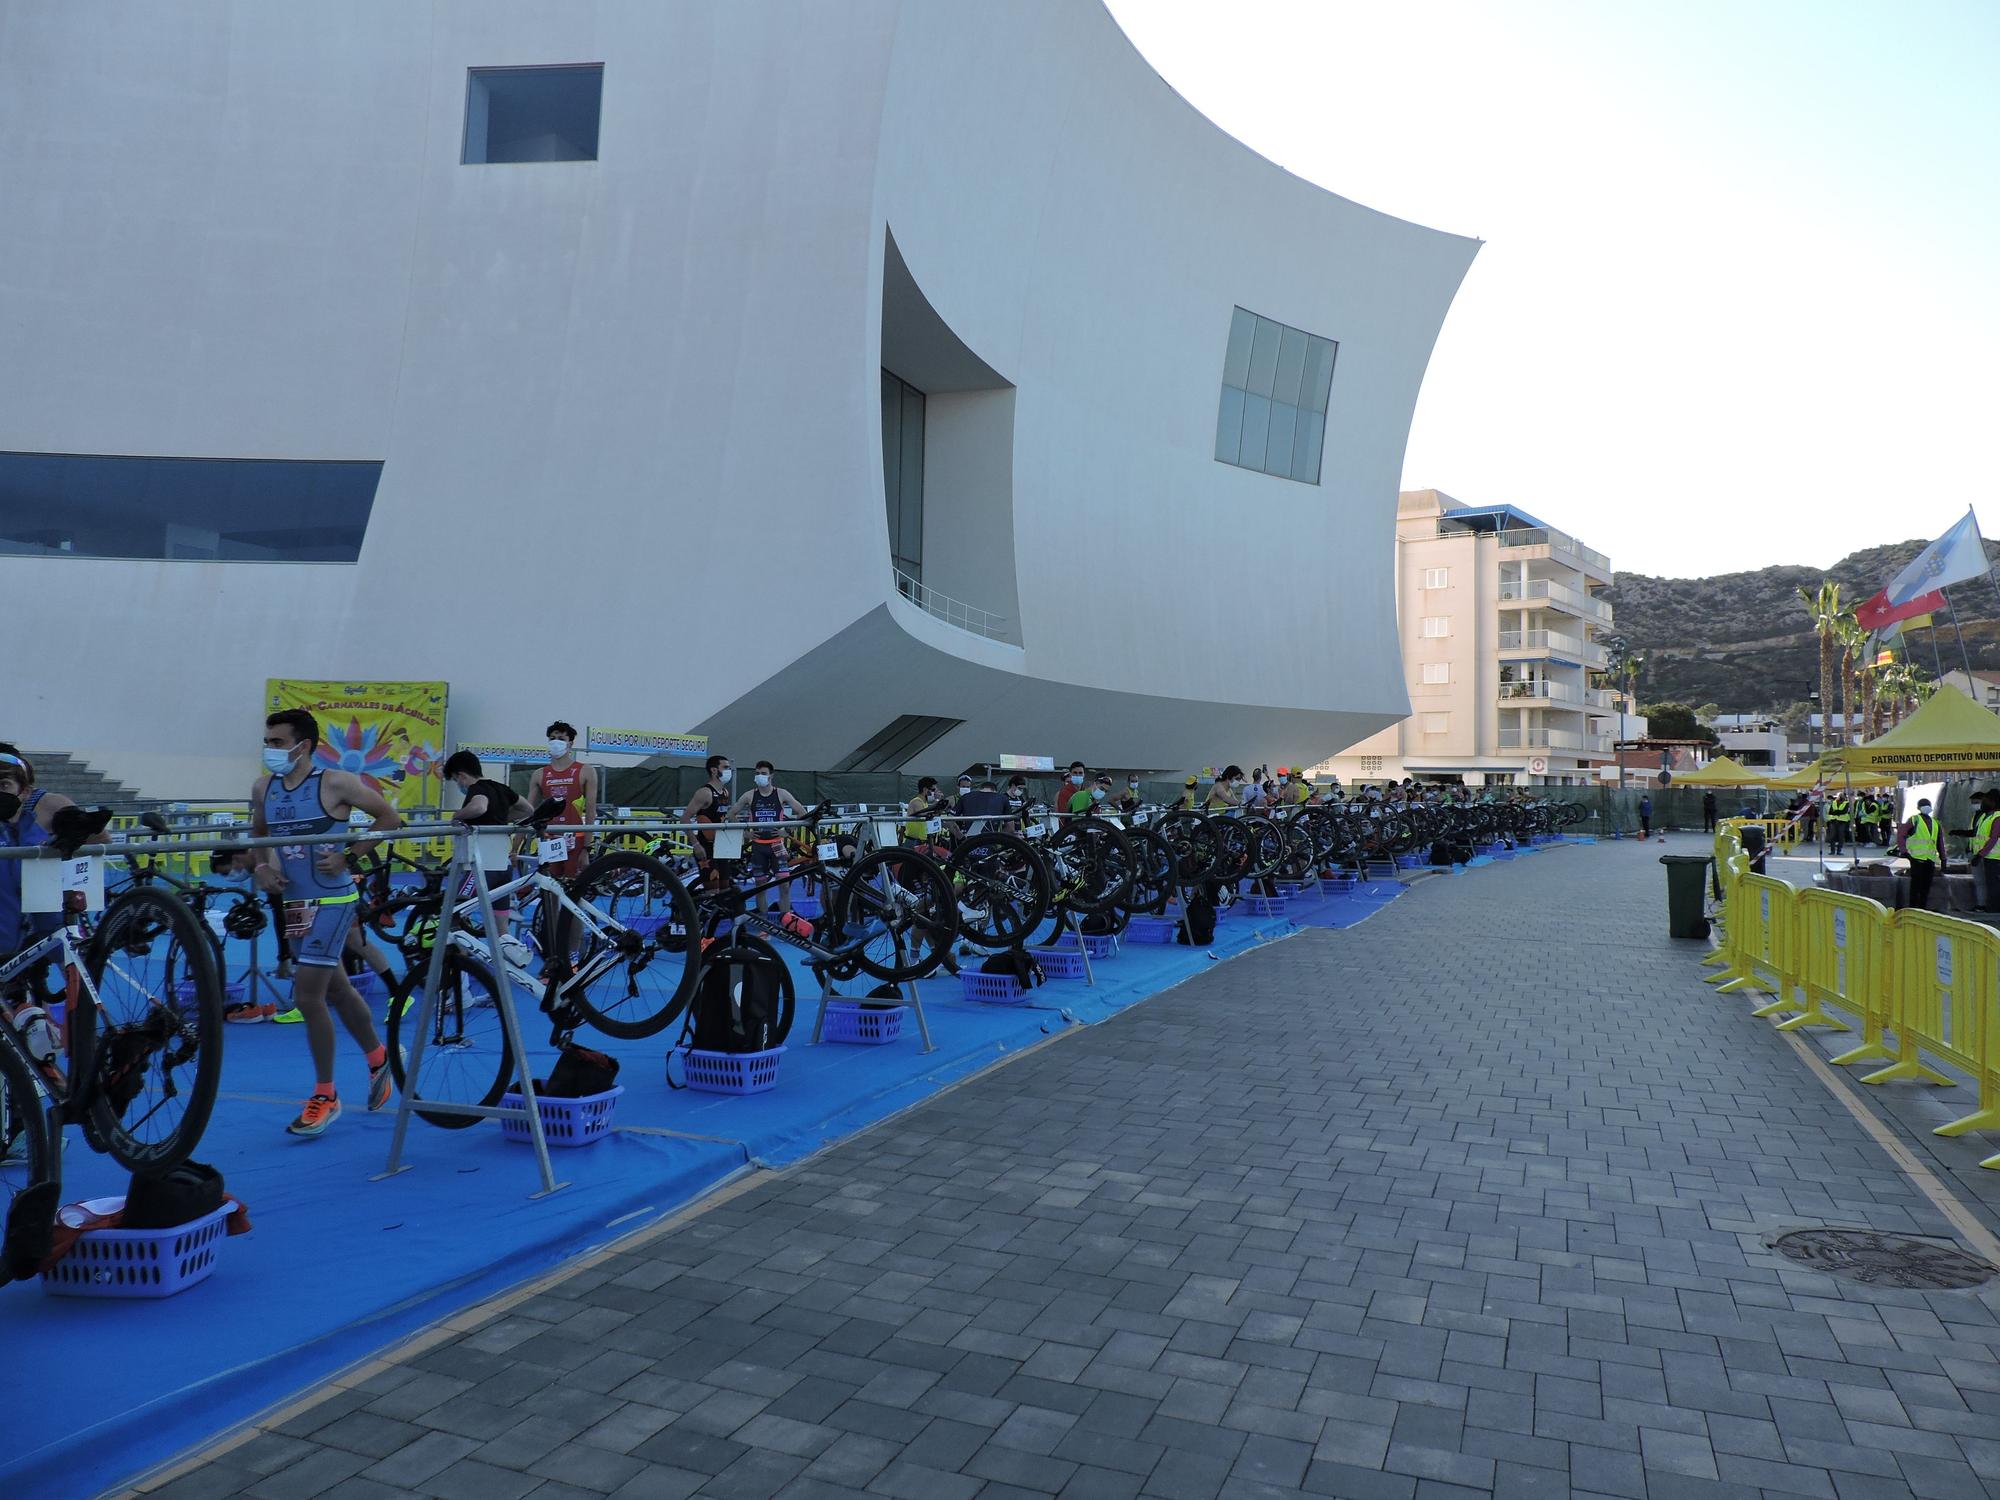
x=10, y=807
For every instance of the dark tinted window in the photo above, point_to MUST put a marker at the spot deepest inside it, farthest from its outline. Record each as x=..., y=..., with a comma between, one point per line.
x=532, y=114
x=903, y=472
x=222, y=509
x=1276, y=384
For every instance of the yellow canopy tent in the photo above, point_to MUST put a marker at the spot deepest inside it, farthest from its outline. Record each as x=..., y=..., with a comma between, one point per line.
x=1722, y=771
x=1807, y=777
x=1949, y=733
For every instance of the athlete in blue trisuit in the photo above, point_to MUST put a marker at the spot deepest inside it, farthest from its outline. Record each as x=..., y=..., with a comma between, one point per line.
x=296, y=797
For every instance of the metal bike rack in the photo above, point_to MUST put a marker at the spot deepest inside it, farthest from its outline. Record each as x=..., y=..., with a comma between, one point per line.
x=407, y=1100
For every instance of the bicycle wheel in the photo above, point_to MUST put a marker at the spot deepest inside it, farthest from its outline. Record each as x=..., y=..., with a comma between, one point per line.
x=1100, y=864
x=1193, y=843
x=1153, y=867
x=155, y=1032
x=627, y=935
x=27, y=1154
x=466, y=1057
x=1003, y=889
x=788, y=995
x=896, y=911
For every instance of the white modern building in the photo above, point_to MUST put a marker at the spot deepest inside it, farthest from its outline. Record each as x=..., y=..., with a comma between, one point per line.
x=1501, y=626
x=871, y=385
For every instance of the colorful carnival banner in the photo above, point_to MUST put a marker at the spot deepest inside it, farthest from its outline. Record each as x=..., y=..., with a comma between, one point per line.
x=643, y=742
x=390, y=734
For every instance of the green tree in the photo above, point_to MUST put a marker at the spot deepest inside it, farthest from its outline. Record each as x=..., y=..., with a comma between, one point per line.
x=1675, y=721
x=1823, y=608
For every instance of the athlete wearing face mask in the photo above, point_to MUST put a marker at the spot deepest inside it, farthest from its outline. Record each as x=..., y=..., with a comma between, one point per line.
x=575, y=784
x=710, y=804
x=1076, y=790
x=767, y=803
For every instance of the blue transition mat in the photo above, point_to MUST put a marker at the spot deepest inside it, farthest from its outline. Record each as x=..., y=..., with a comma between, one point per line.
x=337, y=1266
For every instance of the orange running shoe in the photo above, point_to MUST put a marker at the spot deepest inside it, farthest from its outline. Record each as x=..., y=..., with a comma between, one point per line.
x=320, y=1111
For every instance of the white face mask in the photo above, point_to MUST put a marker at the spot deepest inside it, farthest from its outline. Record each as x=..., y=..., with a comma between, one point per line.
x=726, y=775
x=1076, y=779
x=277, y=762
x=763, y=779
x=558, y=749
x=1097, y=794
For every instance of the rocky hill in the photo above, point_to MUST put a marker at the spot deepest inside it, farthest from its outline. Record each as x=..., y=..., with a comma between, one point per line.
x=1742, y=640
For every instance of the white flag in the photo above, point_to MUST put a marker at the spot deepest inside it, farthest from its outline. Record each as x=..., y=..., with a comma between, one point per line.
x=1954, y=557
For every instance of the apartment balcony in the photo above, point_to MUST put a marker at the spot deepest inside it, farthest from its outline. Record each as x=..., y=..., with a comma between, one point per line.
x=1602, y=698
x=1540, y=643
x=1518, y=693
x=1598, y=744
x=1539, y=739
x=1541, y=593
x=1531, y=542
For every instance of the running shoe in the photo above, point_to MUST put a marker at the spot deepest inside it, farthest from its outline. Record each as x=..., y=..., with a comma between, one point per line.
x=320, y=1111
x=288, y=1017
x=380, y=1082
x=246, y=1012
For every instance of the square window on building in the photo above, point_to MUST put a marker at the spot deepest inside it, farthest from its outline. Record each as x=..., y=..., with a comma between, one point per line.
x=1437, y=723
x=1436, y=578
x=532, y=114
x=1436, y=627
x=1437, y=671
x=1277, y=382
x=1371, y=765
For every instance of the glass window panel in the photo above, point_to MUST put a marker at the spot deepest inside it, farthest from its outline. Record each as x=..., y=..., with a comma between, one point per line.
x=1236, y=361
x=1263, y=358
x=239, y=510
x=1306, y=447
x=910, y=545
x=1317, y=379
x=1229, y=425
x=1256, y=430
x=1291, y=360
x=532, y=114
x=1278, y=453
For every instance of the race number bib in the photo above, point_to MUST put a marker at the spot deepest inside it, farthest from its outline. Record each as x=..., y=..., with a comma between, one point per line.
x=729, y=843
x=829, y=853
x=46, y=883
x=934, y=827
x=553, y=850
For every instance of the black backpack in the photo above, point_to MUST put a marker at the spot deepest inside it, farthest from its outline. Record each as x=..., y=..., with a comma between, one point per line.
x=1197, y=928
x=166, y=1200
x=580, y=1073
x=1018, y=962
x=736, y=1007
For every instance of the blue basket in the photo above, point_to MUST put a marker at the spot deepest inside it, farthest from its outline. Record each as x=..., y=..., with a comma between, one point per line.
x=1152, y=929
x=1097, y=944
x=732, y=1072
x=808, y=905
x=862, y=1025
x=133, y=1263
x=990, y=989
x=1059, y=963
x=1269, y=906
x=565, y=1122
x=232, y=991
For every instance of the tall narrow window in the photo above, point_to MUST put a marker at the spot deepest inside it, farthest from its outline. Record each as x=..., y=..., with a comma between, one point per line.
x=903, y=472
x=1436, y=626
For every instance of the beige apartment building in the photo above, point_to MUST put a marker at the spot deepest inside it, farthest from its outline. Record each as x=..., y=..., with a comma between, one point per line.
x=1502, y=635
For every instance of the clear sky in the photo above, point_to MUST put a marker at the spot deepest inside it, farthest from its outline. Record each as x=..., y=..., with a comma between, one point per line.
x=1737, y=303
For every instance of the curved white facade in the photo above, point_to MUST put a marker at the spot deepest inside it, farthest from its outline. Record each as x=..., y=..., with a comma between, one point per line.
x=629, y=409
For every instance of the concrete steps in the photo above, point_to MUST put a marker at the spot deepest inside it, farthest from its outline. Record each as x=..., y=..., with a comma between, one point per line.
x=59, y=772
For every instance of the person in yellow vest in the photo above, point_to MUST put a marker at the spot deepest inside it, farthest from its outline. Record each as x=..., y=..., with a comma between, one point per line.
x=1918, y=841
x=1190, y=797
x=1985, y=855
x=1839, y=818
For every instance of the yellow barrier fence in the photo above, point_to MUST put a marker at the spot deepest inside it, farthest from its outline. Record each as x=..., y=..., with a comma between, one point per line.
x=1727, y=852
x=1840, y=949
x=1943, y=1002
x=1758, y=936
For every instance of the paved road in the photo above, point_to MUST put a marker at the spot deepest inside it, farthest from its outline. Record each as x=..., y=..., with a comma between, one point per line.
x=1468, y=1200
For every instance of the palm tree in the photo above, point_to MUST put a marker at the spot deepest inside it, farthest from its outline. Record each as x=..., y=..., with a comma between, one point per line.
x=1823, y=609
x=1853, y=642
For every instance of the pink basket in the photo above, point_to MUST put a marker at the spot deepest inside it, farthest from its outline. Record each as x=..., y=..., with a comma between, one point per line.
x=134, y=1263
x=862, y=1025
x=565, y=1122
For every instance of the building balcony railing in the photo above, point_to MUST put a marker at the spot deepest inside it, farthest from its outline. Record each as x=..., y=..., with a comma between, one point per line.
x=1541, y=642
x=1539, y=739
x=951, y=611
x=1557, y=595
x=1538, y=692
x=1600, y=698
x=1558, y=541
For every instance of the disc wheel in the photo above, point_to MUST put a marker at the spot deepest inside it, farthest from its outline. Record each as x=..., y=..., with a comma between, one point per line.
x=632, y=949
x=895, y=909
x=155, y=1034
x=1003, y=889
x=466, y=1057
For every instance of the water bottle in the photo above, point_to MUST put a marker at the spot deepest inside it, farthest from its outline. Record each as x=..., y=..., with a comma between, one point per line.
x=38, y=1036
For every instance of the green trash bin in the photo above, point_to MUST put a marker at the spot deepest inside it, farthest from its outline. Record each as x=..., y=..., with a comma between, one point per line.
x=1686, y=873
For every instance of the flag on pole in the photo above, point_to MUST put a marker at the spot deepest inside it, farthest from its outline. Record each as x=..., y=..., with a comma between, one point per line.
x=1954, y=557
x=1878, y=613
